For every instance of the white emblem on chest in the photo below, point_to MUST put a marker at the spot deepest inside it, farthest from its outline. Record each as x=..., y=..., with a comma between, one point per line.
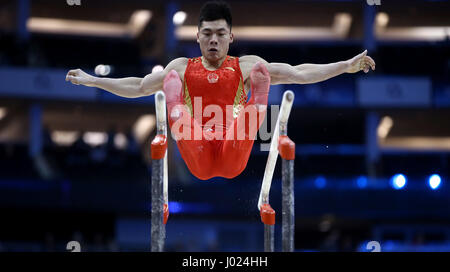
x=213, y=78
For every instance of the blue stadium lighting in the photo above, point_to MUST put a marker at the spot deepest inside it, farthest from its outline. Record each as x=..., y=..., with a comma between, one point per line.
x=361, y=182
x=175, y=207
x=320, y=182
x=398, y=181
x=434, y=181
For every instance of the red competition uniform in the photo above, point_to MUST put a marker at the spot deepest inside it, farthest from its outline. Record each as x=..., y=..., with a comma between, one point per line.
x=226, y=157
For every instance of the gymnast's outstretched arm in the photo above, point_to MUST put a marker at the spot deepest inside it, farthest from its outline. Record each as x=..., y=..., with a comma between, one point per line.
x=282, y=73
x=130, y=87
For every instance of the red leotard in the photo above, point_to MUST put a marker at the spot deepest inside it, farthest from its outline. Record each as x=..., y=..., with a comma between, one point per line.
x=227, y=156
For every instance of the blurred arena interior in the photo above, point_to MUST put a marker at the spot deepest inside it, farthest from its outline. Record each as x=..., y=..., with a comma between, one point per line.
x=372, y=156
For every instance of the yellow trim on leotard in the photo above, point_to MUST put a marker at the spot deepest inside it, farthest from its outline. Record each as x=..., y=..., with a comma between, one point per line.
x=187, y=99
x=237, y=106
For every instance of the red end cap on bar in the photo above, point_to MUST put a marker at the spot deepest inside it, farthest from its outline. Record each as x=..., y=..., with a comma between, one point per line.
x=166, y=213
x=267, y=214
x=159, y=146
x=286, y=147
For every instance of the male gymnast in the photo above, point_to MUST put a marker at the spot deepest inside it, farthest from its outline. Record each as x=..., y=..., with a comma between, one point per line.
x=216, y=81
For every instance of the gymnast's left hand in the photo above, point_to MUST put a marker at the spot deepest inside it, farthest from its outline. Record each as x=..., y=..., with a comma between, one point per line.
x=360, y=62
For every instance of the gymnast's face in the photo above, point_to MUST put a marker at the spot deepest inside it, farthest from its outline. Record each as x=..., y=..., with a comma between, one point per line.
x=214, y=38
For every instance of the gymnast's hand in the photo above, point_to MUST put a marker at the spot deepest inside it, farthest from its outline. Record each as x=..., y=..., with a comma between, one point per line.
x=360, y=62
x=78, y=77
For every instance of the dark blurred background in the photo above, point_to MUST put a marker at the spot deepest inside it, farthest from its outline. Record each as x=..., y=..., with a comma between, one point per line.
x=372, y=150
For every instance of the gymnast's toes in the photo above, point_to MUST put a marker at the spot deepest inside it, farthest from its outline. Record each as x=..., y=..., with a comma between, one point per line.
x=173, y=88
x=171, y=76
x=259, y=73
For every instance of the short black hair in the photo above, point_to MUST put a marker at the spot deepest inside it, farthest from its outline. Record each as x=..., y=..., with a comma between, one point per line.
x=215, y=10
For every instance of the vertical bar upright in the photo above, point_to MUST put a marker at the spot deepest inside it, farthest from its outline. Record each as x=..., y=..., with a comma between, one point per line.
x=157, y=238
x=288, y=209
x=159, y=176
x=269, y=242
x=287, y=152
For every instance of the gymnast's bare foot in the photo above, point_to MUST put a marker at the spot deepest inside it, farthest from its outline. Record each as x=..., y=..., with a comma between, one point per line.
x=260, y=85
x=172, y=88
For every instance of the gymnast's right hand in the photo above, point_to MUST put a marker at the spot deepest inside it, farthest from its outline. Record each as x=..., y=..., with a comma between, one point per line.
x=78, y=76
